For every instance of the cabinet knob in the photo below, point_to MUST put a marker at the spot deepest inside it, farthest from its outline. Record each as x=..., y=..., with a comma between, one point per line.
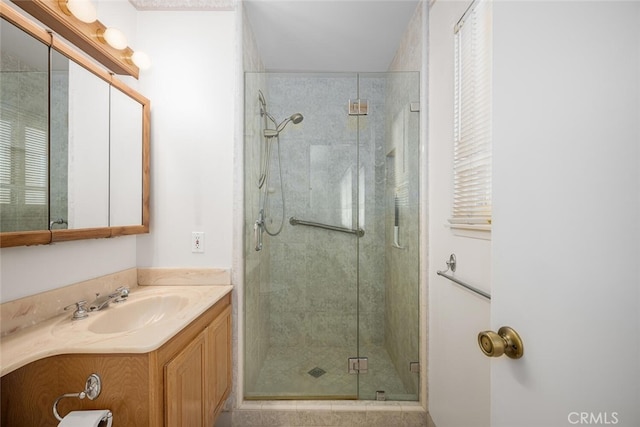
x=506, y=341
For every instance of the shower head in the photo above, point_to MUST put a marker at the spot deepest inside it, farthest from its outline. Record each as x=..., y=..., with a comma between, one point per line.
x=295, y=118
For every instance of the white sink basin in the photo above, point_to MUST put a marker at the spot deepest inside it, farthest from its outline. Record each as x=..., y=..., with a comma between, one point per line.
x=137, y=313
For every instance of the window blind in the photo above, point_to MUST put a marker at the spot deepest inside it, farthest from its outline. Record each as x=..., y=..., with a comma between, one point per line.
x=35, y=161
x=472, y=118
x=23, y=161
x=5, y=162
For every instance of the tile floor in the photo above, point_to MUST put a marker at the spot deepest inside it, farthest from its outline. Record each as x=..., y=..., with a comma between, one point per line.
x=285, y=375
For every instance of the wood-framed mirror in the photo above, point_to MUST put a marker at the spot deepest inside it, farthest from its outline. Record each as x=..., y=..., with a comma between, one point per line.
x=74, y=143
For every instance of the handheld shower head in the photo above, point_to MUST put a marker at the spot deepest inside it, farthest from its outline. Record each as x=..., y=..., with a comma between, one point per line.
x=295, y=118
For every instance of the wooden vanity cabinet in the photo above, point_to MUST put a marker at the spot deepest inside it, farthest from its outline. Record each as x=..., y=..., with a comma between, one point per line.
x=183, y=383
x=197, y=379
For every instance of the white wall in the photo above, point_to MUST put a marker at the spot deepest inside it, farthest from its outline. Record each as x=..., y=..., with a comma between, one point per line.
x=458, y=372
x=27, y=271
x=192, y=90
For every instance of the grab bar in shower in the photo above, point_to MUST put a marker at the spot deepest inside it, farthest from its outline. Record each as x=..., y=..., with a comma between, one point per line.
x=451, y=265
x=294, y=221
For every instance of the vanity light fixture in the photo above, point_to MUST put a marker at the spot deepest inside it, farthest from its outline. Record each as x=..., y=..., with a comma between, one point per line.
x=113, y=37
x=139, y=59
x=84, y=10
x=60, y=17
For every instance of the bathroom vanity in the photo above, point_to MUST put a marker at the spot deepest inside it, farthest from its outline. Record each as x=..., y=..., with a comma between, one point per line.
x=182, y=382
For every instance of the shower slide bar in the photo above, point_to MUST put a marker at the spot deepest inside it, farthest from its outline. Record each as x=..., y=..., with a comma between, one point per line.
x=451, y=265
x=294, y=221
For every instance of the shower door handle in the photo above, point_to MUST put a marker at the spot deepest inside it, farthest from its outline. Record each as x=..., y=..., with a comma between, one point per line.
x=257, y=235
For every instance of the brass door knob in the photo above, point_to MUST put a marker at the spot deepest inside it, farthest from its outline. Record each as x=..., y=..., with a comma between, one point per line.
x=506, y=341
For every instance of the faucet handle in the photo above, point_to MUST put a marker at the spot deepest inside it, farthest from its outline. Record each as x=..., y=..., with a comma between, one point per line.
x=124, y=293
x=81, y=310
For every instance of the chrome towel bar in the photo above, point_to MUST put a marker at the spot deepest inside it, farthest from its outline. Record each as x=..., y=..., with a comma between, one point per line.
x=451, y=265
x=294, y=221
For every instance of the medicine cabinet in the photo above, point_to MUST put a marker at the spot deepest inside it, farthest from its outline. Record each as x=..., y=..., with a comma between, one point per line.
x=74, y=143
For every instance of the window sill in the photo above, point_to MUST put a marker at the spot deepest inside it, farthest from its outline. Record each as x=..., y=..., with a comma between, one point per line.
x=474, y=231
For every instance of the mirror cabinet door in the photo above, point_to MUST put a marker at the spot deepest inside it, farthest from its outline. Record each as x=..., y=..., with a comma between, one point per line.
x=23, y=131
x=84, y=110
x=126, y=160
x=89, y=149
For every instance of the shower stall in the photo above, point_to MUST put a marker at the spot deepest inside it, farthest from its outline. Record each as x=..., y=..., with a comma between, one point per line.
x=331, y=250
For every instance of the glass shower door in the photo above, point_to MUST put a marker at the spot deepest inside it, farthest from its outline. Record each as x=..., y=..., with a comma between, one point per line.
x=388, y=261
x=301, y=288
x=331, y=299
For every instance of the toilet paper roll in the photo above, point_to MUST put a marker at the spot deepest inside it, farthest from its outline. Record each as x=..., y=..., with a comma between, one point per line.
x=87, y=419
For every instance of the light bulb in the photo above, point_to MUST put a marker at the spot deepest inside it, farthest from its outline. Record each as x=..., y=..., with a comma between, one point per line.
x=141, y=60
x=84, y=10
x=114, y=38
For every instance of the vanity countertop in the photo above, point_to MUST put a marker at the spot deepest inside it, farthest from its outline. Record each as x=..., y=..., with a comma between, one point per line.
x=61, y=335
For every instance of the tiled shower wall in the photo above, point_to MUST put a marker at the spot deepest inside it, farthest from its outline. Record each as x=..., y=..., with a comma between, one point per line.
x=314, y=299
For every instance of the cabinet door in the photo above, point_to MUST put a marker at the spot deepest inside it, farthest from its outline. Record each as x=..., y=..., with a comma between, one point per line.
x=219, y=363
x=185, y=385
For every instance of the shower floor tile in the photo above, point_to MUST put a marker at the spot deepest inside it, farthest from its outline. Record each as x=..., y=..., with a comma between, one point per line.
x=287, y=373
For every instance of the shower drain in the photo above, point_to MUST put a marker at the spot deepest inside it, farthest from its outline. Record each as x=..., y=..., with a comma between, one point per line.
x=317, y=372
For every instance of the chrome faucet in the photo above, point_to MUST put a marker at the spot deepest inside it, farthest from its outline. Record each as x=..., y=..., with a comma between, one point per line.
x=81, y=310
x=101, y=302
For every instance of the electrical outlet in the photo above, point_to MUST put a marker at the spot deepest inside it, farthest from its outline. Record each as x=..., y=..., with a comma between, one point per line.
x=197, y=241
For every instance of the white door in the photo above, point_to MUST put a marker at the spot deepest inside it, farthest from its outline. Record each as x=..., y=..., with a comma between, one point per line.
x=566, y=233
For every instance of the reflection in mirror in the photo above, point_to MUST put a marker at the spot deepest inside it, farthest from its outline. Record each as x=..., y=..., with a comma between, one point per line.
x=59, y=143
x=85, y=146
x=23, y=131
x=126, y=160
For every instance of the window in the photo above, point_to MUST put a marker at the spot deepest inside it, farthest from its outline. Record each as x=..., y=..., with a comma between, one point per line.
x=5, y=162
x=23, y=156
x=35, y=166
x=472, y=119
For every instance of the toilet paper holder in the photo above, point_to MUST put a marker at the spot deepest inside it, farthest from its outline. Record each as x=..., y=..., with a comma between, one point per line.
x=92, y=389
